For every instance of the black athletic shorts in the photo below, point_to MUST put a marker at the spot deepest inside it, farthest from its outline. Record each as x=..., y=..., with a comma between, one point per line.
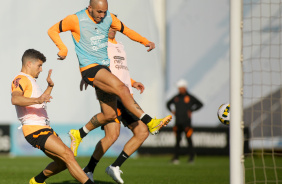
x=124, y=115
x=89, y=74
x=38, y=139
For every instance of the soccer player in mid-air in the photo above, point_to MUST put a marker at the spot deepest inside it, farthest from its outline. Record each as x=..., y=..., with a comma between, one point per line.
x=118, y=66
x=89, y=28
x=30, y=105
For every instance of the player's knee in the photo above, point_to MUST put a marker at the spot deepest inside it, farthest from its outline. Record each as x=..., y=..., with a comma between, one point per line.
x=110, y=117
x=122, y=90
x=112, y=137
x=115, y=135
x=68, y=155
x=142, y=133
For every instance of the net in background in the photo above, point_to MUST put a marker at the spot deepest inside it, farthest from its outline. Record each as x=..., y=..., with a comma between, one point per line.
x=262, y=80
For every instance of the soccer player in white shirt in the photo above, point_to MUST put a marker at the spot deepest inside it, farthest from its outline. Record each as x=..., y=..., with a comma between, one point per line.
x=30, y=105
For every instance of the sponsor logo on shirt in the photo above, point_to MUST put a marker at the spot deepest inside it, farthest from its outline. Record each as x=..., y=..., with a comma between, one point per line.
x=118, y=61
x=119, y=67
x=100, y=46
x=17, y=82
x=96, y=41
x=83, y=19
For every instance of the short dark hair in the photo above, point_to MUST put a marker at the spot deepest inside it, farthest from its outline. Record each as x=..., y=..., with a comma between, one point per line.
x=33, y=54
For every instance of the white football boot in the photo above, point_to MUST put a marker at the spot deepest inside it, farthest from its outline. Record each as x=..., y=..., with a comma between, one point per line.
x=89, y=175
x=114, y=172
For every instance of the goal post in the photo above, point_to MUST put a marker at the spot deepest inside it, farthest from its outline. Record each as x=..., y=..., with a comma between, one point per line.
x=256, y=91
x=236, y=110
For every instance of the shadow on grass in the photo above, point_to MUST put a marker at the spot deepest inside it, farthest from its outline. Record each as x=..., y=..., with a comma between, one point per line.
x=104, y=182
x=76, y=182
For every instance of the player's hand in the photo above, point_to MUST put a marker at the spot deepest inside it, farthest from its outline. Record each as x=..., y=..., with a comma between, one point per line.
x=61, y=57
x=151, y=46
x=139, y=86
x=44, y=98
x=49, y=80
x=173, y=112
x=83, y=83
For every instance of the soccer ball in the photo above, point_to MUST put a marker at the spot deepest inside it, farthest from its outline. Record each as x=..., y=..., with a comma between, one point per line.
x=224, y=114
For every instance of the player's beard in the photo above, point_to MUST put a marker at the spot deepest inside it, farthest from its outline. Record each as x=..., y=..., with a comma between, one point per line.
x=98, y=20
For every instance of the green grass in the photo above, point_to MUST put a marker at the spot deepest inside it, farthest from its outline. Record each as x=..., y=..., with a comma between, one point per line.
x=148, y=170
x=263, y=168
x=141, y=170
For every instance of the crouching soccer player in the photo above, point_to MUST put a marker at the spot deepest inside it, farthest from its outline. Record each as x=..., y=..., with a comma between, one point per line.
x=30, y=105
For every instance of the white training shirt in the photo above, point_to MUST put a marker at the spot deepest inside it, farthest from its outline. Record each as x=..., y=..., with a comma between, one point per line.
x=33, y=114
x=118, y=63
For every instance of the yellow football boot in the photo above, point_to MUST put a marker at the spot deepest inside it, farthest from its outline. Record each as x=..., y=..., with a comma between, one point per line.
x=75, y=140
x=32, y=181
x=156, y=124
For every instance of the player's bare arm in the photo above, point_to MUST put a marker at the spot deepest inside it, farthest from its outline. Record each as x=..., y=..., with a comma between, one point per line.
x=20, y=100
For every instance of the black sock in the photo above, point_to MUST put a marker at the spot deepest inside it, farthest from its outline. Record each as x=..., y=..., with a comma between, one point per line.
x=40, y=178
x=146, y=119
x=82, y=133
x=91, y=165
x=121, y=158
x=88, y=182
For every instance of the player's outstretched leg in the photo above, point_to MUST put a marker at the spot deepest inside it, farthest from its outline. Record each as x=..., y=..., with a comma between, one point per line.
x=110, y=84
x=59, y=152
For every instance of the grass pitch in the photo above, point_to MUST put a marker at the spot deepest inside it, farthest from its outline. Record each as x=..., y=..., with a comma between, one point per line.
x=141, y=170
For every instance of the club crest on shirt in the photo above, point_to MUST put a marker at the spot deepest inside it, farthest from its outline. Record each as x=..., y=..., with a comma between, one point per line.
x=118, y=50
x=186, y=99
x=97, y=30
x=16, y=82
